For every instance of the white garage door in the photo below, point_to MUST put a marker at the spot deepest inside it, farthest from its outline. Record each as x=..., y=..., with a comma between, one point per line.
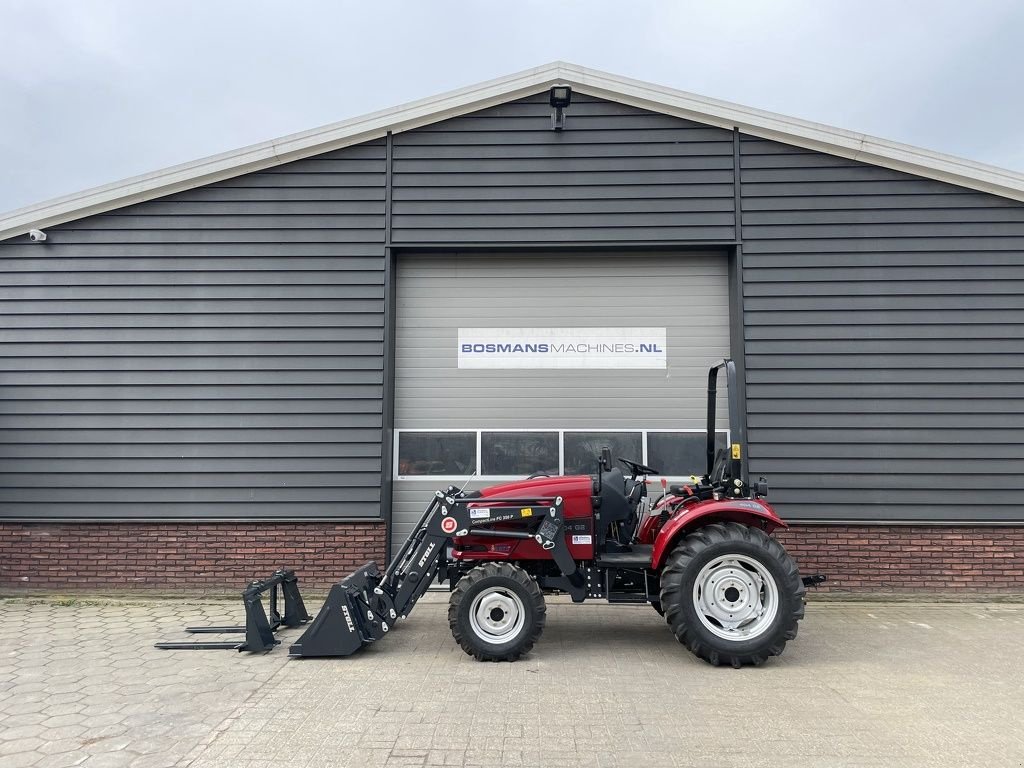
x=510, y=422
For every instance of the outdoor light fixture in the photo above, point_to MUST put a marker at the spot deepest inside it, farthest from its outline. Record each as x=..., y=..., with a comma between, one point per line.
x=559, y=98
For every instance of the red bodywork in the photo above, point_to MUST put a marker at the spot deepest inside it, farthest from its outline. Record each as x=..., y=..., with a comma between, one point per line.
x=576, y=492
x=686, y=516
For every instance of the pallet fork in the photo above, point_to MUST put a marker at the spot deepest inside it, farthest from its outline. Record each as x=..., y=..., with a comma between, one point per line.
x=258, y=628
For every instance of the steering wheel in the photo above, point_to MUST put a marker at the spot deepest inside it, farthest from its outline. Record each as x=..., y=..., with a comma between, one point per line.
x=638, y=469
x=720, y=468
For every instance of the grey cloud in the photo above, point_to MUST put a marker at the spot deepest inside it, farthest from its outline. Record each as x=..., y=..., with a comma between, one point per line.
x=96, y=91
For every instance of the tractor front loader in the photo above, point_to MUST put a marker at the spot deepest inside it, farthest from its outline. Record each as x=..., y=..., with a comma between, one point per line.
x=701, y=554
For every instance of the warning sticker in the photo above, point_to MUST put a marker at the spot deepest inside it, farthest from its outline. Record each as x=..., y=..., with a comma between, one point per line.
x=449, y=524
x=582, y=539
x=526, y=512
x=479, y=512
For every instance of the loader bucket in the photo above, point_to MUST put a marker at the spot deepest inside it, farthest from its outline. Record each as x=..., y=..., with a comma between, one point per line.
x=354, y=615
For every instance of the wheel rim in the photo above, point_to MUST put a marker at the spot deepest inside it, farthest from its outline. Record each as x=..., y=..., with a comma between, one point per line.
x=497, y=615
x=735, y=597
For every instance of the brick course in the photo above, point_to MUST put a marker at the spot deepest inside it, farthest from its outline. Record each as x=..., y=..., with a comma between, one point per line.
x=910, y=558
x=157, y=556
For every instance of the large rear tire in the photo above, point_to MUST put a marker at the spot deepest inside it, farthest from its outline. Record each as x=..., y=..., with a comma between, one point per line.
x=497, y=612
x=732, y=594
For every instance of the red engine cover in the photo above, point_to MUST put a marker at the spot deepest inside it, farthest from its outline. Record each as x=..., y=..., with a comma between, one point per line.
x=576, y=492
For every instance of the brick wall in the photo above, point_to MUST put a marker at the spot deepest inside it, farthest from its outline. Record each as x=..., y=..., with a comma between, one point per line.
x=157, y=556
x=912, y=558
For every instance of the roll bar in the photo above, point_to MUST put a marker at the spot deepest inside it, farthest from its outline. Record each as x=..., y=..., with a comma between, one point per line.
x=737, y=449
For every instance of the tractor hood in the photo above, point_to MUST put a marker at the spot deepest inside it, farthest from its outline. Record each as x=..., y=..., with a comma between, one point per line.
x=565, y=486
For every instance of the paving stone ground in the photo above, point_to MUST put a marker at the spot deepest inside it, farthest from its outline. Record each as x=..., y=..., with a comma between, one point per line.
x=865, y=684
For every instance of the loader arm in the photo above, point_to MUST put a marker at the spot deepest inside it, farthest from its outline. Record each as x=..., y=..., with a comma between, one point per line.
x=364, y=606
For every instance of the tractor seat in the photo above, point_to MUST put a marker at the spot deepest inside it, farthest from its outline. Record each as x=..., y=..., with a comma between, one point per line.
x=615, y=506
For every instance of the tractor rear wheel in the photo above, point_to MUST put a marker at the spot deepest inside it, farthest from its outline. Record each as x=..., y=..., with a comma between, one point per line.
x=732, y=594
x=497, y=612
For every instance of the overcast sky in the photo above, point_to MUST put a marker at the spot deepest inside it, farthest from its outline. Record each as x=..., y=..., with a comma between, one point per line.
x=92, y=91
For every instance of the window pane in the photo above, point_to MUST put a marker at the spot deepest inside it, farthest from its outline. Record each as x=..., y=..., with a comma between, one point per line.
x=436, y=453
x=519, y=453
x=680, y=454
x=583, y=448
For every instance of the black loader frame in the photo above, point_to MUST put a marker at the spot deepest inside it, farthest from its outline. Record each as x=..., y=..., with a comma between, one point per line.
x=363, y=606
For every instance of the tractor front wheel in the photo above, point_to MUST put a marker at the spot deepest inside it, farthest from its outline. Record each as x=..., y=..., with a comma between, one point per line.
x=732, y=594
x=496, y=612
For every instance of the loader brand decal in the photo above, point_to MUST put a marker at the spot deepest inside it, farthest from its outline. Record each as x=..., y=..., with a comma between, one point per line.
x=607, y=348
x=426, y=555
x=348, y=619
x=449, y=524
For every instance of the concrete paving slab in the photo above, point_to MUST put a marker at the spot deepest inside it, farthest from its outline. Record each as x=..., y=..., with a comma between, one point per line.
x=865, y=684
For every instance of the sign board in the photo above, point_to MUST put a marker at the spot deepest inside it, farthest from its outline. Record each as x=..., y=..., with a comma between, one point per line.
x=607, y=348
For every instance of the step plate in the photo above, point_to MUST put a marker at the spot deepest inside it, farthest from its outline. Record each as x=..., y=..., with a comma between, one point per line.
x=640, y=557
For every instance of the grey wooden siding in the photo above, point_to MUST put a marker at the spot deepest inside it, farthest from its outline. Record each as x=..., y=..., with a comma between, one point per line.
x=218, y=353
x=884, y=326
x=215, y=353
x=616, y=174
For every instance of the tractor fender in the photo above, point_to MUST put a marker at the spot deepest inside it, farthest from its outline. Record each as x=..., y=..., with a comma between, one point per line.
x=755, y=512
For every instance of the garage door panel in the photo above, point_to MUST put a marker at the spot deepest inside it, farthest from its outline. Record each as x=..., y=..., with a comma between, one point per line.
x=686, y=293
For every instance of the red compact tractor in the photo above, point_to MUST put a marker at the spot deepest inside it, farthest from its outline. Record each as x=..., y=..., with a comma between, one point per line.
x=701, y=554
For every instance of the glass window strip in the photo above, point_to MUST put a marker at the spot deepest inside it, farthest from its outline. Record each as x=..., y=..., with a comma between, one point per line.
x=645, y=435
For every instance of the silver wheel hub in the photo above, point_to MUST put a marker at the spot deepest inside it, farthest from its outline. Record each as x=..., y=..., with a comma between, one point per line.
x=735, y=597
x=497, y=615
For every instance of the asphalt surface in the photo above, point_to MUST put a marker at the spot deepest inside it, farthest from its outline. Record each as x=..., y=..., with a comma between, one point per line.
x=865, y=684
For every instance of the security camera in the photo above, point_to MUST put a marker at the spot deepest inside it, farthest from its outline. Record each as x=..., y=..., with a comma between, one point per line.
x=36, y=235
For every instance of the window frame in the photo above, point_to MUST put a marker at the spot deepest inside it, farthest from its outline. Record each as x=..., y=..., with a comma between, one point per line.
x=480, y=441
x=395, y=455
x=561, y=449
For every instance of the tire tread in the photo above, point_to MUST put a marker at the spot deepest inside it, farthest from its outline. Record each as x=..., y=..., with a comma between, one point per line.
x=672, y=593
x=534, y=604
